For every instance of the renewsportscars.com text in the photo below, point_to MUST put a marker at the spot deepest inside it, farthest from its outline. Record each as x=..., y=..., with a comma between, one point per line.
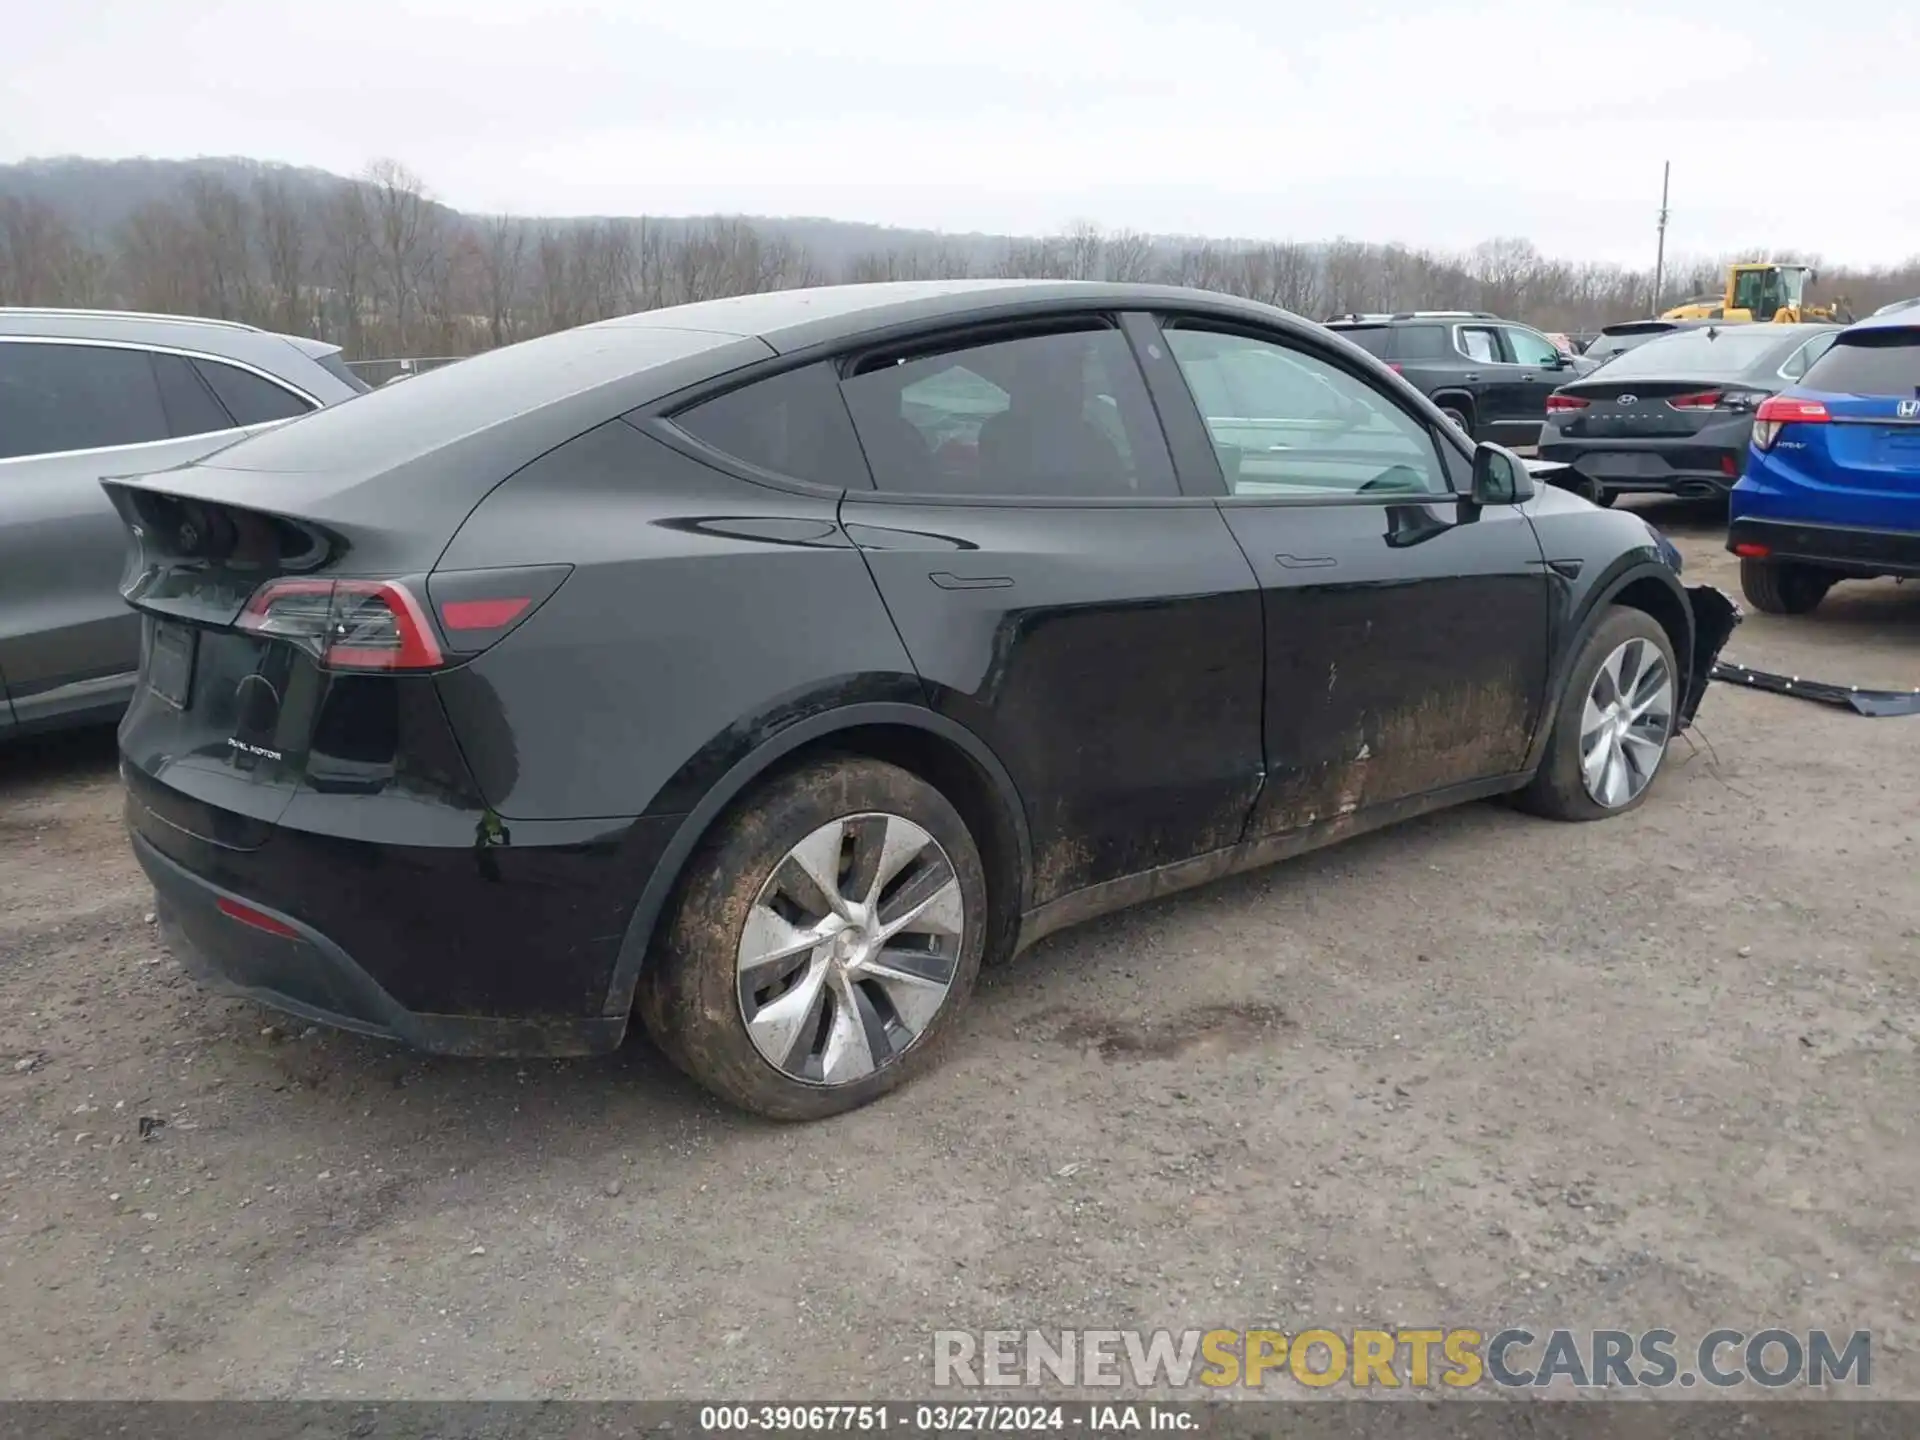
x=1456, y=1358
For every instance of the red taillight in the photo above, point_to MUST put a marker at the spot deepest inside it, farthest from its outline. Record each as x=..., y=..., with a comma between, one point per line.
x=1746, y=549
x=347, y=624
x=258, y=919
x=1777, y=412
x=1557, y=404
x=1699, y=400
x=1394, y=366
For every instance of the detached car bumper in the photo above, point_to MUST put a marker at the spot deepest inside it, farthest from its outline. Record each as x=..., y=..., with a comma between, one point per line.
x=1851, y=550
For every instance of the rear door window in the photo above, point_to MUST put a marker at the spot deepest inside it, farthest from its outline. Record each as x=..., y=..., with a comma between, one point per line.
x=1870, y=362
x=1062, y=414
x=1480, y=342
x=792, y=424
x=56, y=397
x=249, y=398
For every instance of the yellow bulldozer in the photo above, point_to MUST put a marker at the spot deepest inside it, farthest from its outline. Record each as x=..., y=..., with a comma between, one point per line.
x=1762, y=292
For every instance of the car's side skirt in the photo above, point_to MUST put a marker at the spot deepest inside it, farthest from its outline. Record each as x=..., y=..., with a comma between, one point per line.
x=1131, y=890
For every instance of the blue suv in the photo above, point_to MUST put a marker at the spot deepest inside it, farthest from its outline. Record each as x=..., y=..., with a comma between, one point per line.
x=1832, y=488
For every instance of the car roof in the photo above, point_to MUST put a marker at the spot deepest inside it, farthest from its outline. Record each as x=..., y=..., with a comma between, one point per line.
x=1907, y=319
x=794, y=320
x=263, y=349
x=469, y=425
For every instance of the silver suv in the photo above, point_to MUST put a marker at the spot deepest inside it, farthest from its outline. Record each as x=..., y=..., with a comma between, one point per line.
x=86, y=394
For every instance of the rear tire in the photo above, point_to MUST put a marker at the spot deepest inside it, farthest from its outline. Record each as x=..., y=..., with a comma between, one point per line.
x=1461, y=420
x=1776, y=588
x=1610, y=735
x=783, y=916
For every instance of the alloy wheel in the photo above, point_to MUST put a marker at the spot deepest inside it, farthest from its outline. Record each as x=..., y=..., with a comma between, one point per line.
x=850, y=949
x=1625, y=723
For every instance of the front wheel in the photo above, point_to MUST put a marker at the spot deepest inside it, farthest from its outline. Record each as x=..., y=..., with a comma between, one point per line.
x=1776, y=588
x=1615, y=718
x=823, y=943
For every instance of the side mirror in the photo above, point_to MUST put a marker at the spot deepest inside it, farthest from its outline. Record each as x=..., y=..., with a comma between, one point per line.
x=1500, y=477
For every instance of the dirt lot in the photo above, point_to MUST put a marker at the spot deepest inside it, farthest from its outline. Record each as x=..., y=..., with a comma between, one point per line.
x=1477, y=1070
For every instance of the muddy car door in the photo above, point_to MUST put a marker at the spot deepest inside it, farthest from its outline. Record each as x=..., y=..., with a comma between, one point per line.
x=1406, y=630
x=1060, y=597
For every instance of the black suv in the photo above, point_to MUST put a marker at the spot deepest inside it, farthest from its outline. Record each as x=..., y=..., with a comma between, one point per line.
x=772, y=662
x=1491, y=376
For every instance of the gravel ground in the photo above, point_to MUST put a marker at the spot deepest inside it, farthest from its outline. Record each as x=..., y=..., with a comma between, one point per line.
x=1476, y=1070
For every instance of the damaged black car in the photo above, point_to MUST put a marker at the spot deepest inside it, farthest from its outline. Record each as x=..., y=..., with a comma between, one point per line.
x=763, y=667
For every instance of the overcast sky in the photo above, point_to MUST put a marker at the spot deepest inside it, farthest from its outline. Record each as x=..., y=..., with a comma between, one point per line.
x=1435, y=122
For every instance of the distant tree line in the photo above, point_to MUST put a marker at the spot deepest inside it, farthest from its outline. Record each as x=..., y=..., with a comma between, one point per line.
x=376, y=265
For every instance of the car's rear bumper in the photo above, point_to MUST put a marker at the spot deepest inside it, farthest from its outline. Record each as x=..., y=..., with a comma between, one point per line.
x=1692, y=467
x=500, y=948
x=1852, y=550
x=294, y=968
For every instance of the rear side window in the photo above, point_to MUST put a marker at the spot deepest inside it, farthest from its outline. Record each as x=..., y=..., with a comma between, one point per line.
x=190, y=406
x=792, y=424
x=1377, y=341
x=1870, y=362
x=1478, y=342
x=1422, y=342
x=248, y=398
x=76, y=397
x=1061, y=414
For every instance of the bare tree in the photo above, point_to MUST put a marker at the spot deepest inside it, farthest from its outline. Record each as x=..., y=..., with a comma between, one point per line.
x=347, y=228
x=374, y=264
x=503, y=266
x=401, y=232
x=284, y=240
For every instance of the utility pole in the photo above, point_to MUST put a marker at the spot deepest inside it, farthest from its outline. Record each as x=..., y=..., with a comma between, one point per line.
x=1660, y=255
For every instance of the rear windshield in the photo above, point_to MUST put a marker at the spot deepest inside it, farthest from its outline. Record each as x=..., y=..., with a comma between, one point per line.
x=1377, y=340
x=1718, y=351
x=1869, y=362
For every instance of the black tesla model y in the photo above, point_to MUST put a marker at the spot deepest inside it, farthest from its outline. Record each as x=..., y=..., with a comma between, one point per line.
x=763, y=666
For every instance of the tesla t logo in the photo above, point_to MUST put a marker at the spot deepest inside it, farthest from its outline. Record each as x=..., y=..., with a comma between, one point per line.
x=1629, y=399
x=1909, y=409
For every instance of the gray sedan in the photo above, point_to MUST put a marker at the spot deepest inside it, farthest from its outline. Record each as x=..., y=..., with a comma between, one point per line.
x=90, y=394
x=1674, y=416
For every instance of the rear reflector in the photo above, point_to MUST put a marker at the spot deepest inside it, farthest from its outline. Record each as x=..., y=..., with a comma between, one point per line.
x=483, y=614
x=258, y=919
x=1750, y=551
x=358, y=625
x=479, y=608
x=1557, y=403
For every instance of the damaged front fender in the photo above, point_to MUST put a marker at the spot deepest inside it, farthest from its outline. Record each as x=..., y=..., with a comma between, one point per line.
x=1715, y=617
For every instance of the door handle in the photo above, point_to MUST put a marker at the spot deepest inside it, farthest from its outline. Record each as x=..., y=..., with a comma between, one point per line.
x=1306, y=562
x=948, y=581
x=1471, y=375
